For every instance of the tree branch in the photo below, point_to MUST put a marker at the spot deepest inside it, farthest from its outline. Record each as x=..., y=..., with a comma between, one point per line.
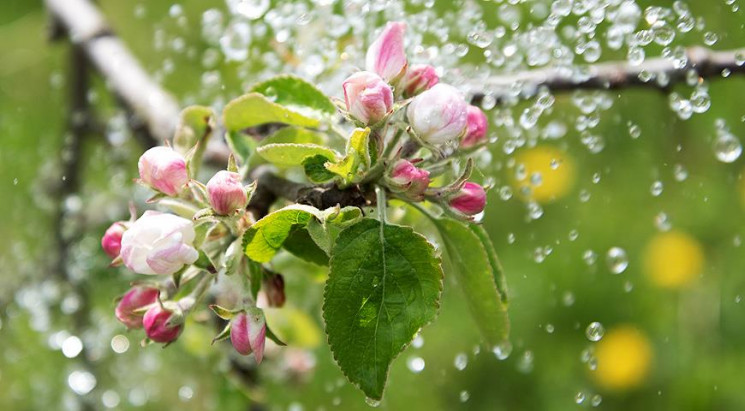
x=613, y=75
x=89, y=31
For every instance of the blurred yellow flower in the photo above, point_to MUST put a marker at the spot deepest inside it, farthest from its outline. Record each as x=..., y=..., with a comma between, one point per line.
x=623, y=358
x=543, y=174
x=673, y=259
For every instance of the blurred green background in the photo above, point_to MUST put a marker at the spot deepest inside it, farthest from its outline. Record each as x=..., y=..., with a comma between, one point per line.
x=673, y=319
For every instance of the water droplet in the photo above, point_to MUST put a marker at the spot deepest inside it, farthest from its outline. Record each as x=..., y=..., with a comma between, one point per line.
x=464, y=396
x=372, y=402
x=573, y=235
x=110, y=399
x=503, y=350
x=525, y=363
x=594, y=331
x=415, y=364
x=568, y=298
x=81, y=382
x=250, y=9
x=662, y=221
x=72, y=346
x=656, y=188
x=234, y=43
x=590, y=257
x=120, y=344
x=727, y=147
x=617, y=260
x=596, y=400
x=461, y=361
x=550, y=328
x=579, y=398
x=185, y=393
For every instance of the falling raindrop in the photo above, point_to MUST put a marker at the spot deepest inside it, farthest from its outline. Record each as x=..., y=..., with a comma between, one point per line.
x=727, y=147
x=502, y=350
x=461, y=361
x=579, y=398
x=617, y=260
x=464, y=396
x=656, y=188
x=594, y=331
x=250, y=9
x=415, y=364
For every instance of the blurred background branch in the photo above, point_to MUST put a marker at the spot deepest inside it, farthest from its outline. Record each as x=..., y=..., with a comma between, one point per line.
x=158, y=111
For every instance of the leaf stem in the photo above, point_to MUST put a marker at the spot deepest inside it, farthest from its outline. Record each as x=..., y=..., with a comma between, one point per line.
x=380, y=195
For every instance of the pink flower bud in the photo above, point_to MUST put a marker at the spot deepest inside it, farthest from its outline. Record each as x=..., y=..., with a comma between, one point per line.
x=405, y=177
x=470, y=200
x=163, y=324
x=248, y=332
x=164, y=170
x=226, y=192
x=476, y=128
x=418, y=78
x=274, y=287
x=158, y=243
x=111, y=242
x=386, y=55
x=367, y=96
x=438, y=115
x=134, y=300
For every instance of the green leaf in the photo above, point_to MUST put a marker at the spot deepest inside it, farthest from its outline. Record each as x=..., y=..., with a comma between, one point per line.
x=242, y=145
x=491, y=253
x=265, y=237
x=195, y=125
x=300, y=244
x=357, y=158
x=469, y=260
x=297, y=95
x=255, y=276
x=333, y=221
x=294, y=135
x=254, y=109
x=288, y=155
x=384, y=284
x=315, y=169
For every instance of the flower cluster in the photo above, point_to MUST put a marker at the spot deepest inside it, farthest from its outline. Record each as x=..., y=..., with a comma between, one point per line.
x=436, y=116
x=410, y=129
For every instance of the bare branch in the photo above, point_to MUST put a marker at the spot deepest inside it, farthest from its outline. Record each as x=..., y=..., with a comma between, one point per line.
x=654, y=72
x=89, y=31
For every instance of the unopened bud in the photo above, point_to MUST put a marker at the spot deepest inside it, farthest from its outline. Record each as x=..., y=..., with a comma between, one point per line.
x=128, y=311
x=386, y=55
x=419, y=78
x=226, y=192
x=367, y=96
x=469, y=200
x=438, y=115
x=163, y=324
x=248, y=333
x=476, y=127
x=274, y=287
x=406, y=178
x=164, y=170
x=111, y=242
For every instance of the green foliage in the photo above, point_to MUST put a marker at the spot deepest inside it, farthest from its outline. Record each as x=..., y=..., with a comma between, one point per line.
x=296, y=135
x=297, y=95
x=357, y=159
x=472, y=260
x=289, y=154
x=196, y=123
x=300, y=244
x=384, y=285
x=263, y=239
x=254, y=109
